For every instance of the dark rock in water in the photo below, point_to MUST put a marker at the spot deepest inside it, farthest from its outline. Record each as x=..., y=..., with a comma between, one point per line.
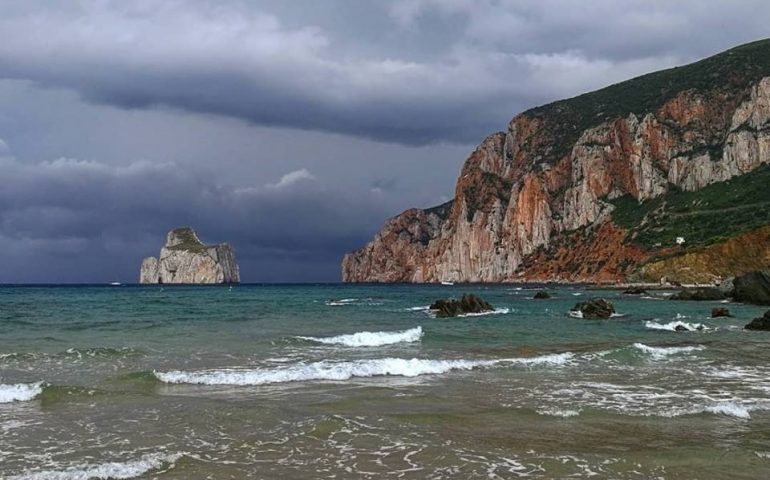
x=720, y=312
x=761, y=323
x=753, y=287
x=595, y=308
x=681, y=328
x=542, y=296
x=699, y=294
x=469, y=303
x=635, y=291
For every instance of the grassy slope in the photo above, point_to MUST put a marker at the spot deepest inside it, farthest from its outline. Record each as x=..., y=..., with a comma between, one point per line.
x=189, y=241
x=707, y=216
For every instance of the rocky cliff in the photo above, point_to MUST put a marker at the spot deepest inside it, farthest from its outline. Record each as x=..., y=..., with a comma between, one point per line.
x=185, y=259
x=595, y=187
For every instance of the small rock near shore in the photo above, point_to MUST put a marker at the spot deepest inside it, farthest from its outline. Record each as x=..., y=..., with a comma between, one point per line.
x=699, y=294
x=635, y=291
x=542, y=295
x=595, y=308
x=761, y=323
x=720, y=312
x=469, y=303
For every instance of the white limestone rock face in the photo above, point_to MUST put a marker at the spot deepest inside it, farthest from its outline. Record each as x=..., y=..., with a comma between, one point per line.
x=184, y=259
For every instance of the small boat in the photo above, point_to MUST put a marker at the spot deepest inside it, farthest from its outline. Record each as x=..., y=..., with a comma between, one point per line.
x=447, y=283
x=115, y=284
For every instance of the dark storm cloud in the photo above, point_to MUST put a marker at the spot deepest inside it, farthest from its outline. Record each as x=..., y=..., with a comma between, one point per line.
x=74, y=215
x=263, y=63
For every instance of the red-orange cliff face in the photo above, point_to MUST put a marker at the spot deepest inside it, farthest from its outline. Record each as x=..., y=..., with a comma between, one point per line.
x=533, y=202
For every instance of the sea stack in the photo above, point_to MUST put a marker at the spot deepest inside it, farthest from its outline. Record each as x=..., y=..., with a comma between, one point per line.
x=185, y=259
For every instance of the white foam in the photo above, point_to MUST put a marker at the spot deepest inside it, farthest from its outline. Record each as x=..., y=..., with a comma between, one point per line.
x=341, y=302
x=556, y=359
x=662, y=352
x=557, y=412
x=370, y=339
x=111, y=470
x=671, y=326
x=20, y=392
x=730, y=409
x=419, y=309
x=339, y=371
x=497, y=311
x=577, y=294
x=322, y=371
x=576, y=314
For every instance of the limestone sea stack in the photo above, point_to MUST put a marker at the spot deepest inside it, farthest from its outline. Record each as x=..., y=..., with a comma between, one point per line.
x=185, y=259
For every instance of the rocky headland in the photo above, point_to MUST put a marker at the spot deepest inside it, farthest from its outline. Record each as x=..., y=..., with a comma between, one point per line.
x=184, y=259
x=661, y=176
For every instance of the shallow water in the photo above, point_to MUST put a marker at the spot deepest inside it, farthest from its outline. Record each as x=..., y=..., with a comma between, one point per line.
x=336, y=381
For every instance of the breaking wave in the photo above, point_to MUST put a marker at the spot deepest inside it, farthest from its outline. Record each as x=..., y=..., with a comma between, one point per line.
x=370, y=339
x=341, y=302
x=117, y=470
x=673, y=326
x=345, y=370
x=662, y=352
x=497, y=311
x=418, y=309
x=20, y=392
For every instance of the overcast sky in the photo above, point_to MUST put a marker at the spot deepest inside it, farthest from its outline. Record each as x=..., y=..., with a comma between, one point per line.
x=290, y=129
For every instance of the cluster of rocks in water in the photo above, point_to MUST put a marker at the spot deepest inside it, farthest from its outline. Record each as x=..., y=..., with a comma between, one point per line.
x=752, y=287
x=452, y=307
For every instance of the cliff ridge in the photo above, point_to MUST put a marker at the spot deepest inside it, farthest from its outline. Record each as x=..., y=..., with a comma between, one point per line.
x=594, y=187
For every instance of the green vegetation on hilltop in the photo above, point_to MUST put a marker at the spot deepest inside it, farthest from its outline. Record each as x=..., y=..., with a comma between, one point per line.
x=703, y=217
x=729, y=72
x=187, y=240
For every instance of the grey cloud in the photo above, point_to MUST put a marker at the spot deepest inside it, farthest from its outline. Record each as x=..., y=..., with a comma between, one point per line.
x=244, y=60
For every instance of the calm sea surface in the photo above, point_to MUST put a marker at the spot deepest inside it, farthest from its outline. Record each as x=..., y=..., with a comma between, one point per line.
x=338, y=381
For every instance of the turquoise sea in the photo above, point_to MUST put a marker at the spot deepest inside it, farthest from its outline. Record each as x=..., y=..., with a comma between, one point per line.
x=359, y=381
